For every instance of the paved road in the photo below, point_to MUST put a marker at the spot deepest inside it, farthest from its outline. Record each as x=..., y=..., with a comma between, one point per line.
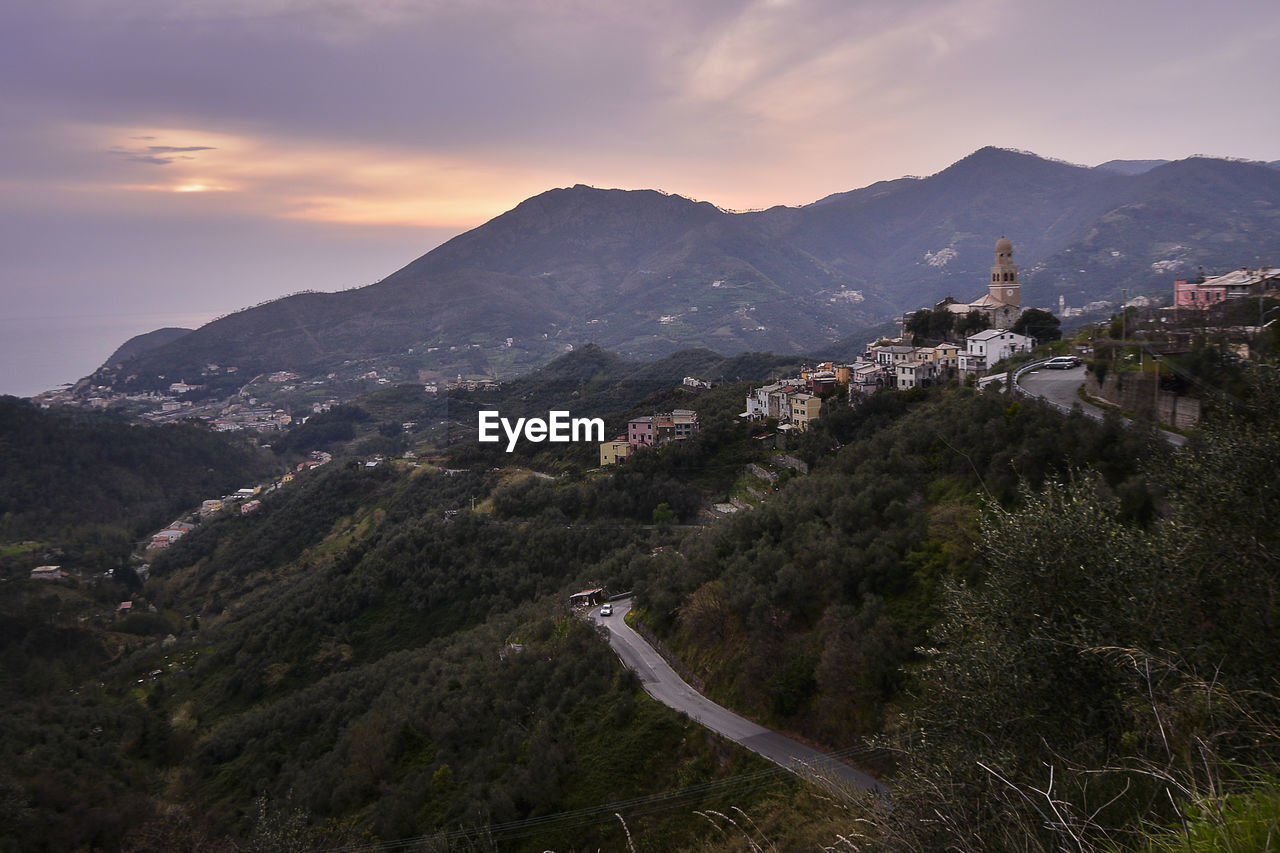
x=1060, y=388
x=661, y=682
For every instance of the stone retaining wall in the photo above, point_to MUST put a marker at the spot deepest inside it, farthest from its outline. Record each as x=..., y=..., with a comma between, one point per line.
x=1136, y=392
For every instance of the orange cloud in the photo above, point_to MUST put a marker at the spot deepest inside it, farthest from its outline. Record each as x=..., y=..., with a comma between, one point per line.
x=322, y=182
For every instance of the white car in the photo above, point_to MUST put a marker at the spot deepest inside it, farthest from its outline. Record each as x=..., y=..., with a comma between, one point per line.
x=607, y=610
x=1062, y=362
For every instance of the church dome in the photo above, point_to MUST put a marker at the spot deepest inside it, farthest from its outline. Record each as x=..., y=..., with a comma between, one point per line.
x=1003, y=246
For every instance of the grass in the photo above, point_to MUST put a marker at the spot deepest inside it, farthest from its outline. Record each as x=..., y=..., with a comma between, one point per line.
x=1225, y=823
x=21, y=549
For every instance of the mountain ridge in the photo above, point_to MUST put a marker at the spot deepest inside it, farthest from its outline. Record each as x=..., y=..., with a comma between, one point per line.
x=647, y=273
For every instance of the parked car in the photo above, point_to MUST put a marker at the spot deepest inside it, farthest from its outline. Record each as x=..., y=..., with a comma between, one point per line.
x=1062, y=362
x=607, y=610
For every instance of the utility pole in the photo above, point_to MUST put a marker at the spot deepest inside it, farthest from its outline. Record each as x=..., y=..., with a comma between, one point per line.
x=1124, y=297
x=1156, y=358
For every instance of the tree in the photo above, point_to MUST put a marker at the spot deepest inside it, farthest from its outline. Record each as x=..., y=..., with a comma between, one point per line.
x=1039, y=324
x=917, y=324
x=974, y=321
x=930, y=324
x=1094, y=643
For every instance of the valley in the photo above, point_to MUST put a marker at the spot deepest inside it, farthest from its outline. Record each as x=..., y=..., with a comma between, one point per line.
x=383, y=653
x=357, y=629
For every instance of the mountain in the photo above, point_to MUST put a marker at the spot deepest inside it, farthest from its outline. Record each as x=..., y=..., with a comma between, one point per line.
x=1130, y=167
x=914, y=241
x=640, y=272
x=645, y=273
x=1199, y=214
x=139, y=344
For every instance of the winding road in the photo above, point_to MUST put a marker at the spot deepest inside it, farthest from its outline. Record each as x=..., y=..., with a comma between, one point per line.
x=661, y=682
x=1061, y=389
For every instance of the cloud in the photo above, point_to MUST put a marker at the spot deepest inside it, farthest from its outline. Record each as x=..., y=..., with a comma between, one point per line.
x=743, y=102
x=294, y=179
x=173, y=149
x=155, y=154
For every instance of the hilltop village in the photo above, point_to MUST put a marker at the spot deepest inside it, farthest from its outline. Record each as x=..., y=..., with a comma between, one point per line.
x=796, y=402
x=972, y=339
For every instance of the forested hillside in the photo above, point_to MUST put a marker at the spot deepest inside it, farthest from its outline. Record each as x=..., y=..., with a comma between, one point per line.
x=1041, y=622
x=808, y=610
x=90, y=485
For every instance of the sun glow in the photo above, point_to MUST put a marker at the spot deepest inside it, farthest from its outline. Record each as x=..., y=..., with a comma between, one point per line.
x=318, y=182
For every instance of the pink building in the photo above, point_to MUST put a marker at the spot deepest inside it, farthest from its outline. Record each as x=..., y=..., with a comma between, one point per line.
x=662, y=428
x=641, y=432
x=1220, y=288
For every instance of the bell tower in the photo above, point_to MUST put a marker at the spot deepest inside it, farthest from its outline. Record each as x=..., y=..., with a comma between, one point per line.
x=1004, y=285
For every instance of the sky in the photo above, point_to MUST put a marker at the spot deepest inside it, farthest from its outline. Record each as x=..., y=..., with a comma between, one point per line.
x=163, y=162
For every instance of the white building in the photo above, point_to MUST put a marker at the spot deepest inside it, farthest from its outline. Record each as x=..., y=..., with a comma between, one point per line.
x=986, y=348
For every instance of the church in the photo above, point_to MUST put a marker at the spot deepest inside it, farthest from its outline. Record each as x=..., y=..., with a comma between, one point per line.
x=1001, y=305
x=1002, y=301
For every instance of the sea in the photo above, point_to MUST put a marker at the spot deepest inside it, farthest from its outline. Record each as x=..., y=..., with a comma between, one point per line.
x=44, y=353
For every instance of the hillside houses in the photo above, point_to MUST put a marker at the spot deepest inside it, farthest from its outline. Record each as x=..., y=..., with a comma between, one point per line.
x=48, y=573
x=650, y=431
x=773, y=401
x=797, y=401
x=661, y=428
x=913, y=367
x=613, y=452
x=1237, y=284
x=171, y=534
x=247, y=499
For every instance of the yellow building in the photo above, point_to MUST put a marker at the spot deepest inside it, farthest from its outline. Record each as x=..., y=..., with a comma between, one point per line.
x=614, y=451
x=948, y=355
x=805, y=408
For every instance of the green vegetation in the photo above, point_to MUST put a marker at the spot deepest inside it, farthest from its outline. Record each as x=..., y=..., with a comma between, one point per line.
x=1090, y=675
x=1021, y=611
x=1223, y=823
x=941, y=324
x=806, y=611
x=1039, y=324
x=91, y=485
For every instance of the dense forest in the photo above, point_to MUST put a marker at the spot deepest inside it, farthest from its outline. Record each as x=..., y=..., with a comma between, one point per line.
x=1044, y=631
x=89, y=485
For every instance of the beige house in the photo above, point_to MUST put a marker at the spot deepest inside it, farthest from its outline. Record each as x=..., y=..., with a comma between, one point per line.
x=914, y=374
x=613, y=452
x=948, y=355
x=865, y=377
x=805, y=408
